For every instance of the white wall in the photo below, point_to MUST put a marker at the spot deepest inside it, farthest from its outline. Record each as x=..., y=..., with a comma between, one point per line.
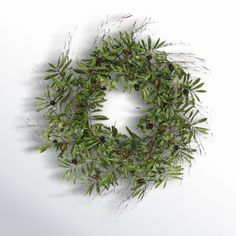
x=33, y=198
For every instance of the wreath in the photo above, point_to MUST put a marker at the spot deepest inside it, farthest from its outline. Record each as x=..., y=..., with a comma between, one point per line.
x=99, y=156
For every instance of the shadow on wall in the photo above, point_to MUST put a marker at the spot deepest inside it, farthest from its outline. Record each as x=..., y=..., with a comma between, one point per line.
x=33, y=123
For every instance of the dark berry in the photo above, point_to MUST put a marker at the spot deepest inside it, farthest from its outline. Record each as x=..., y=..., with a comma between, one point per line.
x=161, y=170
x=99, y=61
x=149, y=57
x=52, y=103
x=75, y=106
x=82, y=105
x=149, y=125
x=127, y=51
x=96, y=176
x=54, y=141
x=102, y=87
x=176, y=147
x=141, y=181
x=132, y=65
x=102, y=139
x=136, y=87
x=78, y=106
x=171, y=67
x=60, y=90
x=74, y=161
x=186, y=92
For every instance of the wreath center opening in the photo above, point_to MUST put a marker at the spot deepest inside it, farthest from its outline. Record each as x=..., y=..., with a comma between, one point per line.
x=123, y=109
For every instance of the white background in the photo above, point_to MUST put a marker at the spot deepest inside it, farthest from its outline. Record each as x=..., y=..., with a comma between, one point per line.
x=33, y=198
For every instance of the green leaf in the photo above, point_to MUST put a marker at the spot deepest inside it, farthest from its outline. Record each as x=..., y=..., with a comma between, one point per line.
x=62, y=62
x=158, y=182
x=149, y=43
x=79, y=71
x=90, y=189
x=200, y=121
x=74, y=151
x=51, y=70
x=196, y=81
x=98, y=189
x=156, y=44
x=198, y=86
x=51, y=65
x=137, y=192
x=66, y=65
x=202, y=130
x=39, y=98
x=92, y=144
x=41, y=108
x=143, y=44
x=51, y=76
x=107, y=179
x=99, y=117
x=145, y=94
x=114, y=131
x=43, y=148
x=160, y=44
x=132, y=134
x=123, y=83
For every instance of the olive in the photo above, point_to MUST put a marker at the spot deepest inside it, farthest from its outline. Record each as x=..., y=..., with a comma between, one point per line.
x=149, y=125
x=52, y=102
x=136, y=87
x=171, y=67
x=141, y=181
x=102, y=87
x=102, y=139
x=176, y=147
x=186, y=92
x=74, y=161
